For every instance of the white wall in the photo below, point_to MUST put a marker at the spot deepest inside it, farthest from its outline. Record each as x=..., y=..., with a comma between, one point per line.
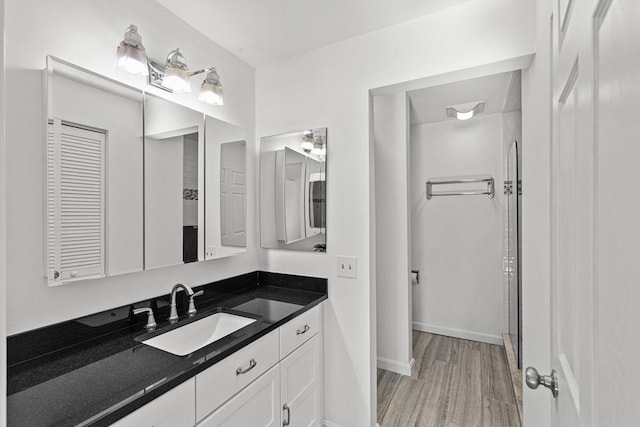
x=393, y=284
x=457, y=241
x=330, y=87
x=87, y=34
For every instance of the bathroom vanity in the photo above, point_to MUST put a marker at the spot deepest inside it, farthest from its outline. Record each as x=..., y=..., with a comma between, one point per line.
x=98, y=370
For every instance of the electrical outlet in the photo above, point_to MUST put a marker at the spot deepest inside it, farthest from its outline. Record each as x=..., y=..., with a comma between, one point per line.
x=347, y=267
x=210, y=252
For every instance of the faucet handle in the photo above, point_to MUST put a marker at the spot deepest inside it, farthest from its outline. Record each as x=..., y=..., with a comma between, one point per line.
x=192, y=305
x=151, y=321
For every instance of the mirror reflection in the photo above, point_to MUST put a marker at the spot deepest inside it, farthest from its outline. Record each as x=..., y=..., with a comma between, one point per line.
x=133, y=182
x=293, y=191
x=94, y=179
x=226, y=204
x=173, y=175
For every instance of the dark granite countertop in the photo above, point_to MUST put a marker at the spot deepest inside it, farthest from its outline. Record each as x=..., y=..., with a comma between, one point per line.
x=93, y=371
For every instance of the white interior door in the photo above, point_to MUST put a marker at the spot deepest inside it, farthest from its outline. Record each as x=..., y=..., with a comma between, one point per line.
x=233, y=194
x=595, y=212
x=572, y=222
x=616, y=39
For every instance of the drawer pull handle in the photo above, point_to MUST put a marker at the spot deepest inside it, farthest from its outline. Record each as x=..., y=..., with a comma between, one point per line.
x=252, y=364
x=303, y=330
x=286, y=422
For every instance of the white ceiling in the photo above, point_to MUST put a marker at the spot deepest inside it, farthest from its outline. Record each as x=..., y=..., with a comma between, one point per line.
x=266, y=31
x=501, y=92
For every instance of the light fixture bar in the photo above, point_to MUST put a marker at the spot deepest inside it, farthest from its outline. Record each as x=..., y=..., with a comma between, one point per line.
x=174, y=76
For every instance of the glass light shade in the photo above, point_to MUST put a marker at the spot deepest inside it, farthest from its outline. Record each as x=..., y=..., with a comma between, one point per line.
x=319, y=149
x=307, y=146
x=132, y=60
x=211, y=93
x=176, y=78
x=464, y=116
x=131, y=55
x=465, y=111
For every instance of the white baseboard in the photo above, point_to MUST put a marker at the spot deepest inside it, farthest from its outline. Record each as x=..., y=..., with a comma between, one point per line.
x=457, y=333
x=330, y=424
x=402, y=368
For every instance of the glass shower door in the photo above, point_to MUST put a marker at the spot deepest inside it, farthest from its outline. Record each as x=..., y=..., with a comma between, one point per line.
x=512, y=190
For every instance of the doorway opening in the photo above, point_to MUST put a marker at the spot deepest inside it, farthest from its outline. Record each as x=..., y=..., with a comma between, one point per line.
x=461, y=299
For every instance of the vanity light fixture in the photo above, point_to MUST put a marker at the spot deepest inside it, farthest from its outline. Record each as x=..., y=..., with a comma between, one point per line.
x=465, y=111
x=307, y=142
x=174, y=76
x=176, y=73
x=319, y=149
x=211, y=89
x=131, y=55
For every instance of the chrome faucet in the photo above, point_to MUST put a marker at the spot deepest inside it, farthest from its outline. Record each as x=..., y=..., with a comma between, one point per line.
x=173, y=316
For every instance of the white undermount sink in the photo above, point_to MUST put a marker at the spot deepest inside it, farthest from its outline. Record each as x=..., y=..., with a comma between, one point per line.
x=193, y=336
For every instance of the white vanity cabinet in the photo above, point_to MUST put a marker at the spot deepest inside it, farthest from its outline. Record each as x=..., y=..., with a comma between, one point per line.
x=274, y=381
x=300, y=386
x=175, y=408
x=258, y=405
x=227, y=377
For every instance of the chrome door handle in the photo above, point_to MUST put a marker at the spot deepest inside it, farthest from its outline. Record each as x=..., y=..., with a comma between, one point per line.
x=286, y=422
x=252, y=364
x=303, y=330
x=533, y=380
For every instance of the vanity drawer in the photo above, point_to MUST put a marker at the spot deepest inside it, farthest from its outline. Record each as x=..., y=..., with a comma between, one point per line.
x=227, y=377
x=296, y=332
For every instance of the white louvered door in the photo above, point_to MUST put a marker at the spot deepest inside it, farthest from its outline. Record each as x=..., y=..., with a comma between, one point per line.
x=75, y=205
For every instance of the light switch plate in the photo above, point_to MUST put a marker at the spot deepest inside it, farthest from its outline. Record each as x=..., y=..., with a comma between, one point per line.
x=348, y=266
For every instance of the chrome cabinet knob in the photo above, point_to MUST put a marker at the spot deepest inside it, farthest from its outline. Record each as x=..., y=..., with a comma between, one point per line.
x=533, y=380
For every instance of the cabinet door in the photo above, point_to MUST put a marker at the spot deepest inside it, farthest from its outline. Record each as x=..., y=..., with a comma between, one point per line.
x=300, y=392
x=175, y=408
x=258, y=405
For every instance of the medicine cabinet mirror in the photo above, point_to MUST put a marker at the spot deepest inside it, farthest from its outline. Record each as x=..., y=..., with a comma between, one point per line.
x=293, y=190
x=226, y=200
x=135, y=181
x=173, y=172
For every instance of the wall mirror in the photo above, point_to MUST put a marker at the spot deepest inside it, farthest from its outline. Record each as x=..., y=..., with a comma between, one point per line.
x=94, y=180
x=225, y=201
x=293, y=190
x=173, y=183
x=135, y=181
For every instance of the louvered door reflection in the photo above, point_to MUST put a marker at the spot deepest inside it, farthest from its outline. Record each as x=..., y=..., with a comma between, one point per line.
x=75, y=203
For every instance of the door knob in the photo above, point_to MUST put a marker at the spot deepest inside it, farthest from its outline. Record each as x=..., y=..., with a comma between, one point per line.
x=533, y=380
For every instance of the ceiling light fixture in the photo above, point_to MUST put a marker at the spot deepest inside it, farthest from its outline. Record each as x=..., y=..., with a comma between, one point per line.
x=174, y=76
x=465, y=111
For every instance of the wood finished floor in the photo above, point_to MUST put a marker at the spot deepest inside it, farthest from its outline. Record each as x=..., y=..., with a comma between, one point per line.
x=454, y=383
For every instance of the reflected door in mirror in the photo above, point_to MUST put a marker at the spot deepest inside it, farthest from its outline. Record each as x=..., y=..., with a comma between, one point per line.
x=293, y=191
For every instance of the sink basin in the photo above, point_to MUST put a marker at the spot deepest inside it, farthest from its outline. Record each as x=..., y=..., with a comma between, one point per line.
x=193, y=336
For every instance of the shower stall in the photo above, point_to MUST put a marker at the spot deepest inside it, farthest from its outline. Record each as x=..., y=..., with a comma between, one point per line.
x=513, y=246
